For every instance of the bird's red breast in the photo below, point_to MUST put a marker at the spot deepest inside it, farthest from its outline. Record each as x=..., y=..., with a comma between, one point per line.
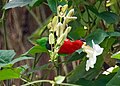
x=69, y=47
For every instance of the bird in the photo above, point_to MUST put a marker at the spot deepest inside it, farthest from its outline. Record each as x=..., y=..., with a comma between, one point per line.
x=70, y=47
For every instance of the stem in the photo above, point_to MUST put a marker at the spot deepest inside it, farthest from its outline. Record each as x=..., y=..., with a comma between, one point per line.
x=48, y=72
x=49, y=81
x=37, y=57
x=68, y=84
x=34, y=16
x=5, y=35
x=74, y=64
x=94, y=20
x=38, y=81
x=56, y=66
x=89, y=25
x=118, y=6
x=64, y=66
x=5, y=30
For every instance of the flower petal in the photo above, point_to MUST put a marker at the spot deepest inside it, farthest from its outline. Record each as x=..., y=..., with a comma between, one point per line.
x=97, y=48
x=91, y=54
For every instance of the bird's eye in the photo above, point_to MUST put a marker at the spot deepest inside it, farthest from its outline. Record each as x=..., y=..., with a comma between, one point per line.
x=83, y=40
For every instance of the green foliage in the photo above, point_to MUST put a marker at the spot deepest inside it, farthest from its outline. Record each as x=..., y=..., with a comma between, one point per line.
x=77, y=29
x=114, y=80
x=35, y=3
x=95, y=20
x=53, y=5
x=43, y=67
x=16, y=3
x=116, y=34
x=36, y=49
x=41, y=47
x=11, y=73
x=6, y=58
x=97, y=36
x=80, y=71
x=76, y=56
x=101, y=81
x=109, y=17
x=116, y=55
x=39, y=32
x=6, y=63
x=42, y=42
x=59, y=79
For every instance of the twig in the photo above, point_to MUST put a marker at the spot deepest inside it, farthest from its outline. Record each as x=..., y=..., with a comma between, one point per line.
x=34, y=16
x=64, y=66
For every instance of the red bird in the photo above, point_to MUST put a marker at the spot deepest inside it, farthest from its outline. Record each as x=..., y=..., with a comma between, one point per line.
x=69, y=47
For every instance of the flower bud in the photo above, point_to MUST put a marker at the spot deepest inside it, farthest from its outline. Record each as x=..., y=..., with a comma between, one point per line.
x=71, y=18
x=61, y=10
x=49, y=25
x=64, y=8
x=60, y=40
x=70, y=13
x=55, y=20
x=59, y=26
x=61, y=29
x=54, y=23
x=68, y=19
x=67, y=31
x=51, y=38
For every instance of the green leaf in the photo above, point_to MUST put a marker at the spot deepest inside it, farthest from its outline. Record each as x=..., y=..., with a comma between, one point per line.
x=80, y=71
x=6, y=56
x=53, y=5
x=42, y=42
x=109, y=17
x=110, y=3
x=107, y=43
x=114, y=34
x=84, y=82
x=16, y=3
x=11, y=73
x=97, y=36
x=35, y=3
x=77, y=30
x=79, y=51
x=76, y=56
x=115, y=81
x=102, y=80
x=43, y=67
x=62, y=2
x=20, y=59
x=59, y=79
x=116, y=55
x=15, y=61
x=36, y=49
x=93, y=9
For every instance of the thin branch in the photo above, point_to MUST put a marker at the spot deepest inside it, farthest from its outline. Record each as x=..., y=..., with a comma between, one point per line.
x=34, y=16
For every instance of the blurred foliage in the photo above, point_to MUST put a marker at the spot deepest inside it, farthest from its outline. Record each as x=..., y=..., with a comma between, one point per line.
x=97, y=20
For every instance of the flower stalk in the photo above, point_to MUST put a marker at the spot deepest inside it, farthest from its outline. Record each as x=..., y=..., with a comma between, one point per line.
x=58, y=31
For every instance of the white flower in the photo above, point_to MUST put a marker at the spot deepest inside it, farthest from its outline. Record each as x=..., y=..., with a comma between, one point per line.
x=10, y=0
x=92, y=52
x=110, y=70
